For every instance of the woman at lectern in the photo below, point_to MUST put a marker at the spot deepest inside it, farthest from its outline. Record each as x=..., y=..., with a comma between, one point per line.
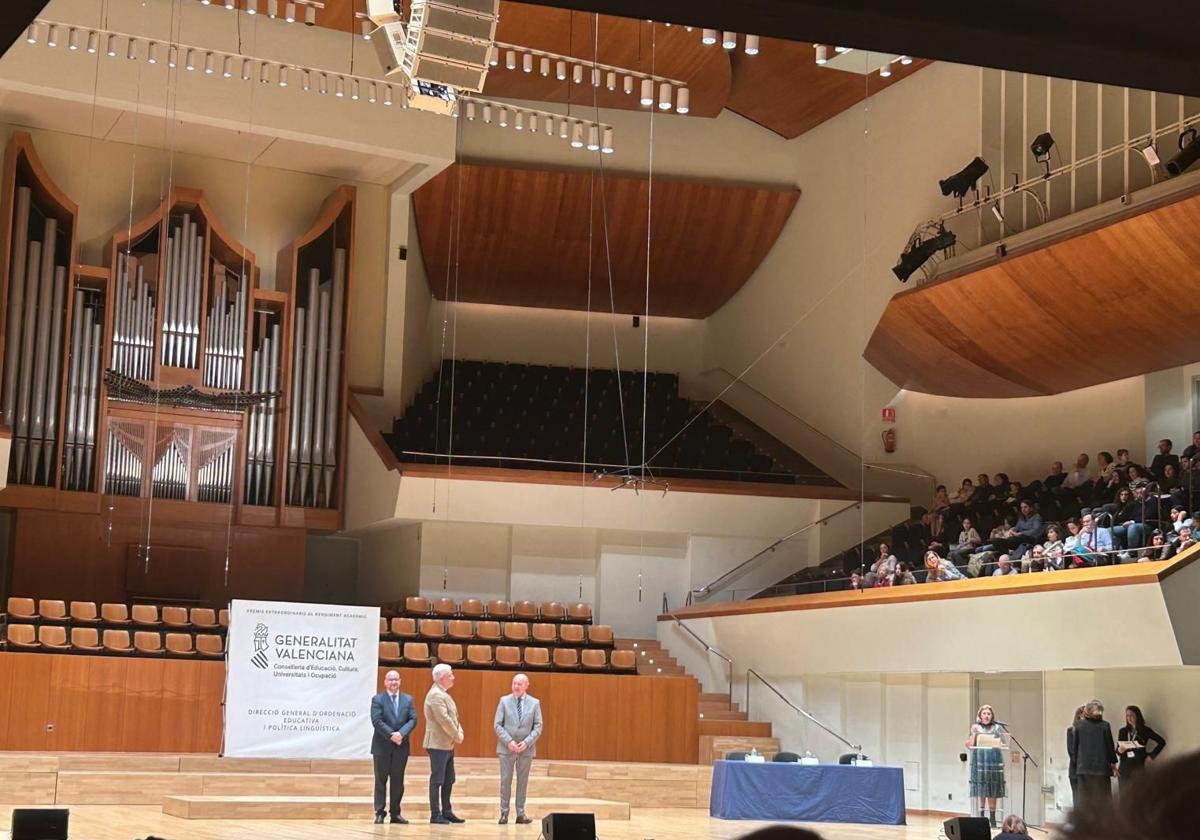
x=987, y=762
x=1133, y=745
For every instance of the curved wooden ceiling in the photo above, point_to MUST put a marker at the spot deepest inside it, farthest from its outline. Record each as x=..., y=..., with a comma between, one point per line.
x=525, y=237
x=781, y=88
x=1094, y=308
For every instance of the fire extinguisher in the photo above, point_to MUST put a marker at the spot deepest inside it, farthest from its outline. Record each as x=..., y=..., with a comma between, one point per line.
x=889, y=440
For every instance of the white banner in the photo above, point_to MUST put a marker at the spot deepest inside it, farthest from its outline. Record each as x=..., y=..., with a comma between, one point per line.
x=300, y=679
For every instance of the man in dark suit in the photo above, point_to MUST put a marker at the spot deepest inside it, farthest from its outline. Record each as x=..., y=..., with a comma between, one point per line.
x=393, y=717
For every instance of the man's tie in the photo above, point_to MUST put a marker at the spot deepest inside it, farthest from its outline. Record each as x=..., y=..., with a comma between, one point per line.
x=519, y=708
x=396, y=704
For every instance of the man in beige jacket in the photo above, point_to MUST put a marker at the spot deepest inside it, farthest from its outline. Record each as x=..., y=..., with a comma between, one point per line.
x=442, y=732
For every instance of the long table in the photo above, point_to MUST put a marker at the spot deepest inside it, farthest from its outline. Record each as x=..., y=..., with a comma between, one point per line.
x=743, y=790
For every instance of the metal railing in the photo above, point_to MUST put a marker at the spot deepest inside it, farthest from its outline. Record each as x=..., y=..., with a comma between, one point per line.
x=750, y=672
x=704, y=591
x=708, y=648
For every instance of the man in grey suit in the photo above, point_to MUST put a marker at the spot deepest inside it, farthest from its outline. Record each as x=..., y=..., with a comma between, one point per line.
x=518, y=725
x=393, y=717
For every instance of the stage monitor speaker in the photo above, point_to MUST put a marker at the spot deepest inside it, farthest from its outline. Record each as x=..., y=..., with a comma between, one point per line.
x=568, y=827
x=39, y=823
x=968, y=828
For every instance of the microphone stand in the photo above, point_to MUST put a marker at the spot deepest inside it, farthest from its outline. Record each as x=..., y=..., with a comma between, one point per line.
x=1026, y=758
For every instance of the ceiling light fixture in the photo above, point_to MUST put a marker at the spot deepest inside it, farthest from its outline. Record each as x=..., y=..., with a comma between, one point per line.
x=560, y=71
x=822, y=53
x=189, y=62
x=264, y=73
x=682, y=98
x=527, y=63
x=906, y=60
x=131, y=50
x=272, y=9
x=596, y=77
x=226, y=66
x=841, y=50
x=364, y=28
x=510, y=60
x=593, y=144
x=31, y=34
x=172, y=57
x=487, y=114
x=208, y=64
x=965, y=180
x=247, y=66
x=151, y=53
x=729, y=40
x=708, y=37
x=564, y=130
x=289, y=13
x=73, y=39
x=519, y=121
x=251, y=7
x=577, y=136
x=339, y=87
x=628, y=85
x=544, y=66
x=503, y=120
x=283, y=77
x=231, y=5
x=606, y=145
x=751, y=45
x=577, y=74
x=111, y=49
x=647, y=97
x=611, y=80
x=664, y=97
x=885, y=71
x=52, y=36
x=354, y=90
x=92, y=41
x=322, y=84
x=373, y=95
x=310, y=19
x=305, y=81
x=493, y=56
x=470, y=110
x=387, y=94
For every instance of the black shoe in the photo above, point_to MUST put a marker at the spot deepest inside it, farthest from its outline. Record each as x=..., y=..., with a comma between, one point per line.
x=448, y=816
x=504, y=819
x=396, y=818
x=523, y=820
x=379, y=819
x=439, y=820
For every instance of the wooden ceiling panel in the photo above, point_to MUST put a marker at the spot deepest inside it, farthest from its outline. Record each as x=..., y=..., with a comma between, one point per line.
x=525, y=237
x=1082, y=311
x=785, y=90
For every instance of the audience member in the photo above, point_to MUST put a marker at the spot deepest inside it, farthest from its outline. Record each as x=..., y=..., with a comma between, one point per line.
x=1163, y=458
x=1056, y=477
x=938, y=569
x=1026, y=532
x=1071, y=777
x=903, y=576
x=883, y=567
x=1105, y=459
x=1037, y=555
x=1093, y=547
x=1004, y=566
x=1186, y=540
x=1013, y=828
x=1159, y=548
x=968, y=542
x=1161, y=806
x=1079, y=476
x=1054, y=546
x=1194, y=447
x=1169, y=482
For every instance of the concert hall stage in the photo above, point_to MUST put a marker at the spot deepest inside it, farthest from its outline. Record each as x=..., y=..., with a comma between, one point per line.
x=115, y=796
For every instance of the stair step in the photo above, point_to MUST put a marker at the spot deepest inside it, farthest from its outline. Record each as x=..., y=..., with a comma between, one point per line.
x=748, y=728
x=662, y=670
x=714, y=697
x=722, y=706
x=722, y=714
x=637, y=644
x=361, y=807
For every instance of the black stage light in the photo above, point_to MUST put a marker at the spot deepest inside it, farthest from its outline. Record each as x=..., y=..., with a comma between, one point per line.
x=920, y=252
x=1041, y=145
x=1189, y=153
x=962, y=182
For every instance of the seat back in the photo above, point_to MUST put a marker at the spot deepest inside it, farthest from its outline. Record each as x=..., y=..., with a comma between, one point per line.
x=516, y=631
x=488, y=631
x=545, y=633
x=21, y=608
x=537, y=657
x=117, y=640
x=147, y=641
x=416, y=652
x=736, y=755
x=114, y=613
x=175, y=616
x=595, y=659
x=479, y=655
x=566, y=658
x=552, y=611
x=416, y=605
x=508, y=656
x=600, y=634
x=624, y=660
x=471, y=608
x=579, y=611
x=210, y=644
x=52, y=610
x=450, y=653
x=784, y=757
x=203, y=617
x=433, y=628
x=571, y=634
x=145, y=614
x=525, y=610
x=223, y=618
x=405, y=628
x=84, y=611
x=180, y=643
x=499, y=610
x=389, y=651
x=444, y=606
x=22, y=634
x=460, y=628
x=52, y=635
x=85, y=638
x=383, y=626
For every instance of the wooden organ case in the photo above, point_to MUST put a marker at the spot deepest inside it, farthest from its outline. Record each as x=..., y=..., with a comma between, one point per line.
x=166, y=398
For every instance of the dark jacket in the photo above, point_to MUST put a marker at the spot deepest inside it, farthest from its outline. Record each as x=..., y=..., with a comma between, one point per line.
x=1094, y=753
x=1071, y=753
x=1010, y=835
x=386, y=720
x=1138, y=757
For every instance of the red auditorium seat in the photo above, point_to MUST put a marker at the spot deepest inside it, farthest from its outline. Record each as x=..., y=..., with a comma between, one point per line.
x=600, y=634
x=417, y=653
x=471, y=608
x=488, y=631
x=571, y=634
x=499, y=610
x=545, y=633
x=580, y=611
x=203, y=618
x=508, y=656
x=537, y=658
x=22, y=637
x=623, y=660
x=516, y=631
x=445, y=607
x=114, y=613
x=148, y=642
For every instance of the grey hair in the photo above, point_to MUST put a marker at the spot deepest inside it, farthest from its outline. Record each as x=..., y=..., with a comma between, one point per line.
x=521, y=677
x=440, y=670
x=1095, y=709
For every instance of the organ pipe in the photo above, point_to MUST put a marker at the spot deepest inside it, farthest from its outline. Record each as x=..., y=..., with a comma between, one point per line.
x=134, y=319
x=225, y=350
x=16, y=303
x=260, y=446
x=83, y=374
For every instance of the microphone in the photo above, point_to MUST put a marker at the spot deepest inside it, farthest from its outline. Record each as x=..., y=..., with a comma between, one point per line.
x=1001, y=723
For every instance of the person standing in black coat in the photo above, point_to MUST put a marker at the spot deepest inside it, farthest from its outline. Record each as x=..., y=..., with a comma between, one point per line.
x=1135, y=730
x=1095, y=758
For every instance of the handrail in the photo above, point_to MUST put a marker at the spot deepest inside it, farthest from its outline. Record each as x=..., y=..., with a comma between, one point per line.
x=751, y=672
x=709, y=649
x=708, y=587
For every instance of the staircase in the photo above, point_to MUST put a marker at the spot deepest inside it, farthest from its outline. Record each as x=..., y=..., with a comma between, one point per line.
x=722, y=726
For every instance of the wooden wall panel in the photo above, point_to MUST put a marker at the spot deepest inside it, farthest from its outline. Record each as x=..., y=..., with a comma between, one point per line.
x=1113, y=285
x=128, y=704
x=74, y=556
x=527, y=234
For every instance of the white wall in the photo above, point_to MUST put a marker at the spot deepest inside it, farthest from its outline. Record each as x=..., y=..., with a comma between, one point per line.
x=554, y=564
x=389, y=564
x=635, y=570
x=464, y=560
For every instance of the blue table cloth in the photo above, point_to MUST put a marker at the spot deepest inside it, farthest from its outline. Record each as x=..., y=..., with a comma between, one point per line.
x=807, y=792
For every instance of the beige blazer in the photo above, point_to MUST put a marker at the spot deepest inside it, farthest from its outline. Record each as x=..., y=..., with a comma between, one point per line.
x=442, y=730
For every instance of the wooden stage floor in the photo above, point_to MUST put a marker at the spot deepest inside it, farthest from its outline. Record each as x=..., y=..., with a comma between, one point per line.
x=124, y=822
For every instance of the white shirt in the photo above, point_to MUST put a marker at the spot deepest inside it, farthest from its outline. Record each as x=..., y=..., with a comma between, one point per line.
x=1076, y=478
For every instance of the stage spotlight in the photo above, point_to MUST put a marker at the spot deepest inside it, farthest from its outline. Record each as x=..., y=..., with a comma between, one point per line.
x=920, y=252
x=1189, y=153
x=963, y=181
x=1041, y=145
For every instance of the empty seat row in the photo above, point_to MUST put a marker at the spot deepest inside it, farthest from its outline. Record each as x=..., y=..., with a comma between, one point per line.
x=507, y=656
x=493, y=631
x=53, y=638
x=47, y=610
x=418, y=606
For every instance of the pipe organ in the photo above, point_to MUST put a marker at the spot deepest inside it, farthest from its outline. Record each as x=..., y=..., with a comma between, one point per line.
x=172, y=373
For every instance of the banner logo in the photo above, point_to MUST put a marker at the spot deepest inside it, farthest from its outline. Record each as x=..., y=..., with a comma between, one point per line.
x=260, y=646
